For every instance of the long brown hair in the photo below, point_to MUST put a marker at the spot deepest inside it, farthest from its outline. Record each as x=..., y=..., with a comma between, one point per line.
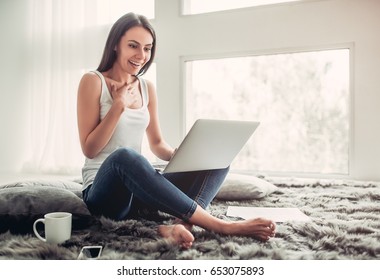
x=117, y=31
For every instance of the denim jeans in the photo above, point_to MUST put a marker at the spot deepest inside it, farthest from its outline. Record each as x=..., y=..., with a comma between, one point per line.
x=126, y=181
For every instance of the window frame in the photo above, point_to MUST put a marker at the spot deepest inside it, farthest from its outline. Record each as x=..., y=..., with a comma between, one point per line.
x=183, y=8
x=350, y=46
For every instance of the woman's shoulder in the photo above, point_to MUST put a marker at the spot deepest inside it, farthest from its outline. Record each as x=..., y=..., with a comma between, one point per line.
x=148, y=85
x=91, y=76
x=150, y=91
x=90, y=82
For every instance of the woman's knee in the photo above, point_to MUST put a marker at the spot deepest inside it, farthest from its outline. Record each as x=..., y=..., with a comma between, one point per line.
x=128, y=157
x=125, y=154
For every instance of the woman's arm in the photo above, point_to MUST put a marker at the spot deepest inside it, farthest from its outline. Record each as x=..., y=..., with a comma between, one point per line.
x=93, y=133
x=156, y=142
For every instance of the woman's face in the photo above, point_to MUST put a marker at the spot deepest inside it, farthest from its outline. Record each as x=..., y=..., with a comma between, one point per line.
x=134, y=49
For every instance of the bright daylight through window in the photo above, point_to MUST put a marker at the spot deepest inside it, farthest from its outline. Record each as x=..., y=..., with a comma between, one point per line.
x=301, y=99
x=191, y=7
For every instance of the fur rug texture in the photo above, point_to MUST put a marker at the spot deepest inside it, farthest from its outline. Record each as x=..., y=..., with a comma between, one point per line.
x=345, y=225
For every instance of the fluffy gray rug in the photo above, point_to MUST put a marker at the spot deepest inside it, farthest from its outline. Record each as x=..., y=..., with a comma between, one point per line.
x=345, y=225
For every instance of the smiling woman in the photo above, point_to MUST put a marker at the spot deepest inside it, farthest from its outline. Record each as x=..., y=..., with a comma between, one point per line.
x=62, y=40
x=116, y=106
x=135, y=54
x=125, y=57
x=140, y=38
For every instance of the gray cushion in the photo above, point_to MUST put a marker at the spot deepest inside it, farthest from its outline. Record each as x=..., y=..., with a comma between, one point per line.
x=73, y=186
x=23, y=202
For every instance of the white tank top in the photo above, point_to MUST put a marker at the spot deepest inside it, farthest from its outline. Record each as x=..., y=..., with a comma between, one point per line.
x=129, y=131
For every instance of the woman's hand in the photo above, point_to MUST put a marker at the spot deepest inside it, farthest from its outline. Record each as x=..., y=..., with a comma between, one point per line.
x=125, y=95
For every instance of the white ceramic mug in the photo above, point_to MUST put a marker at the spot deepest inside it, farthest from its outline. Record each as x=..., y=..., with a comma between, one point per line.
x=57, y=227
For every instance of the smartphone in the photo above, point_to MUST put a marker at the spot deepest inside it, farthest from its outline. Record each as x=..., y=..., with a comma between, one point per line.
x=90, y=252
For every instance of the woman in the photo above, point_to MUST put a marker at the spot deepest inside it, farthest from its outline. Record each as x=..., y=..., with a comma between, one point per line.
x=115, y=107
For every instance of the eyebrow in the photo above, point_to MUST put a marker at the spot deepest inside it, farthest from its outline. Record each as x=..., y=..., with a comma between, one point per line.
x=134, y=41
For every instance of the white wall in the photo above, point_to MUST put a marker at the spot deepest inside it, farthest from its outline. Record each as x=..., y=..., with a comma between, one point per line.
x=262, y=29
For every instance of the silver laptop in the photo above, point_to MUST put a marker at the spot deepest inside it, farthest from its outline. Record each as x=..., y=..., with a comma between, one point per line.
x=211, y=144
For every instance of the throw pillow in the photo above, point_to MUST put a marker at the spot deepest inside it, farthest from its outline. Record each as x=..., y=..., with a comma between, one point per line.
x=72, y=186
x=245, y=187
x=21, y=206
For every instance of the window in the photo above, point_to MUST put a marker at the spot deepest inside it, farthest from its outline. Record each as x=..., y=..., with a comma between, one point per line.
x=301, y=99
x=205, y=6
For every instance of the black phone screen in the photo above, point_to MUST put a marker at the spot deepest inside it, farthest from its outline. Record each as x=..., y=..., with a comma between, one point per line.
x=91, y=252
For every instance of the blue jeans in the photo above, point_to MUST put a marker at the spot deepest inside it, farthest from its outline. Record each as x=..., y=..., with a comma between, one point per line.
x=126, y=181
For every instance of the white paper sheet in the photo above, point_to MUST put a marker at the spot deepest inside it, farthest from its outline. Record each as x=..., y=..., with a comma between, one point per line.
x=275, y=214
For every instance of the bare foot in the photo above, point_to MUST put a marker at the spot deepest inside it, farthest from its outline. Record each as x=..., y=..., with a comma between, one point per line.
x=259, y=228
x=188, y=226
x=177, y=234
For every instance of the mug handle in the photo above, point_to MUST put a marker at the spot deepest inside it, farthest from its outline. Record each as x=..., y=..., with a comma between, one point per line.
x=35, y=229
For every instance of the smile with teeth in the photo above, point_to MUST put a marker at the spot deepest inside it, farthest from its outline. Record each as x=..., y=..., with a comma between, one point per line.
x=135, y=64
